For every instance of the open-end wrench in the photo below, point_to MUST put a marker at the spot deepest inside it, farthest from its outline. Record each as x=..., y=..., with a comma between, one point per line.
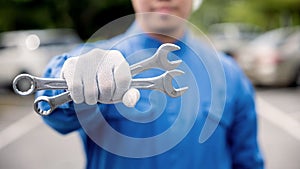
x=162, y=83
x=158, y=60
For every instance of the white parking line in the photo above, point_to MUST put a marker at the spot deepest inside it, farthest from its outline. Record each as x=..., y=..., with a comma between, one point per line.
x=278, y=117
x=19, y=128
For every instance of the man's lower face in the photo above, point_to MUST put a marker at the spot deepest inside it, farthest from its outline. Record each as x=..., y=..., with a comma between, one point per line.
x=162, y=23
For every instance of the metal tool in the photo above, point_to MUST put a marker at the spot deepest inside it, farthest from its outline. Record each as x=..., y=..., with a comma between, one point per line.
x=158, y=60
x=53, y=102
x=36, y=84
x=162, y=83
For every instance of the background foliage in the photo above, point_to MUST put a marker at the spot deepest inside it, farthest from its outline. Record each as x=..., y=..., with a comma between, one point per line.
x=267, y=14
x=89, y=15
x=84, y=16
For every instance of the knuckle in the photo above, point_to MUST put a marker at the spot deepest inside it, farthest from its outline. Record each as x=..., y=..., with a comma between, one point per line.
x=116, y=53
x=77, y=98
x=106, y=89
x=96, y=51
x=71, y=61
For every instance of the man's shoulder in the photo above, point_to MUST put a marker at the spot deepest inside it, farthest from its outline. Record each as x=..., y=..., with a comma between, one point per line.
x=229, y=63
x=215, y=59
x=235, y=76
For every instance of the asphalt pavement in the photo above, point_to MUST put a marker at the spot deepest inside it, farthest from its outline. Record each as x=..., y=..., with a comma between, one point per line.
x=27, y=143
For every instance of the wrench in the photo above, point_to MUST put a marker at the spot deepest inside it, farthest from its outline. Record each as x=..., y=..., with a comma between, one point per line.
x=158, y=60
x=162, y=83
x=53, y=102
x=36, y=84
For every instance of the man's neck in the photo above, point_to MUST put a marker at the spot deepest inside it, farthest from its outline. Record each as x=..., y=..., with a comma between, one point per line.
x=165, y=36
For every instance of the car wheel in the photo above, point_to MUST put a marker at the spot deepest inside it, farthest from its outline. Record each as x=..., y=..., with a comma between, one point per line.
x=296, y=80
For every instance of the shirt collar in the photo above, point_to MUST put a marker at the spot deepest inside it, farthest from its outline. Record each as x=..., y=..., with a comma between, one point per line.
x=145, y=40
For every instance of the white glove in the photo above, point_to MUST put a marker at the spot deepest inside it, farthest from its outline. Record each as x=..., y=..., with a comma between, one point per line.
x=100, y=76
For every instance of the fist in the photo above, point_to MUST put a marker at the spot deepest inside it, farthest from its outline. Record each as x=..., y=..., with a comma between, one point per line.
x=100, y=76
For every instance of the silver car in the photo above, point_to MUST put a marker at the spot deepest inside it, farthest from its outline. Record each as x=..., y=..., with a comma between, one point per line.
x=229, y=37
x=29, y=51
x=273, y=59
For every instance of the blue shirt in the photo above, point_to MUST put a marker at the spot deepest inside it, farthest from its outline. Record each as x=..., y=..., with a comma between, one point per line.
x=212, y=126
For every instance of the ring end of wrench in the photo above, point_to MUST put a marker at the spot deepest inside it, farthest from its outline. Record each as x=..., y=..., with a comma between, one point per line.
x=52, y=102
x=40, y=111
x=17, y=84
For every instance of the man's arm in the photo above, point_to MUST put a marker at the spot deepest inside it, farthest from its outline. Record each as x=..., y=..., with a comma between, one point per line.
x=63, y=119
x=243, y=131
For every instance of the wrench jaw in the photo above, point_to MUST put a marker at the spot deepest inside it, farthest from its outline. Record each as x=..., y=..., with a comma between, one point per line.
x=168, y=86
x=168, y=47
x=174, y=64
x=158, y=60
x=162, y=55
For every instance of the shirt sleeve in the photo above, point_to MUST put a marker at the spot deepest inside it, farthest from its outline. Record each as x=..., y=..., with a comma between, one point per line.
x=243, y=131
x=63, y=119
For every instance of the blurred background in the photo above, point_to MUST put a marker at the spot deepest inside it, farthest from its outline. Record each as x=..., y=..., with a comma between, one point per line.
x=262, y=36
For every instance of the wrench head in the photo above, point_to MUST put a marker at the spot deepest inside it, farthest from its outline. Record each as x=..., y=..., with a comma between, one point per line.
x=24, y=85
x=39, y=110
x=162, y=56
x=168, y=86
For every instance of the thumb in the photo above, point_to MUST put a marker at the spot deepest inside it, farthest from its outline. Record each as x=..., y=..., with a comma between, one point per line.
x=131, y=97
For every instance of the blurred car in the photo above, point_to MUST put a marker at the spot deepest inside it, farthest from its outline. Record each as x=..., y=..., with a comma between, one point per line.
x=29, y=51
x=273, y=59
x=229, y=37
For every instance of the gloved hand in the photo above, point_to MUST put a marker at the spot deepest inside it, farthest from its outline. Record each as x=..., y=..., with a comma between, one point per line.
x=100, y=76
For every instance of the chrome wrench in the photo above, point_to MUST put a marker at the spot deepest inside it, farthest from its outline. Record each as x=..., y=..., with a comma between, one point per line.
x=162, y=83
x=158, y=60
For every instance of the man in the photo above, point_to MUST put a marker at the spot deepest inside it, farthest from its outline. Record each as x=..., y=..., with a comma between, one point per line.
x=156, y=131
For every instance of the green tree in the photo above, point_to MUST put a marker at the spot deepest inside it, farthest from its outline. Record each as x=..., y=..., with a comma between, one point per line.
x=88, y=16
x=267, y=14
x=84, y=16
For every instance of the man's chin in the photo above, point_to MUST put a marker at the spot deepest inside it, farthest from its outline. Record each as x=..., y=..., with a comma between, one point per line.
x=160, y=23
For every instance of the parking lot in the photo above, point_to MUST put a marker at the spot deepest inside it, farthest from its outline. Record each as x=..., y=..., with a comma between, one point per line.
x=27, y=143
